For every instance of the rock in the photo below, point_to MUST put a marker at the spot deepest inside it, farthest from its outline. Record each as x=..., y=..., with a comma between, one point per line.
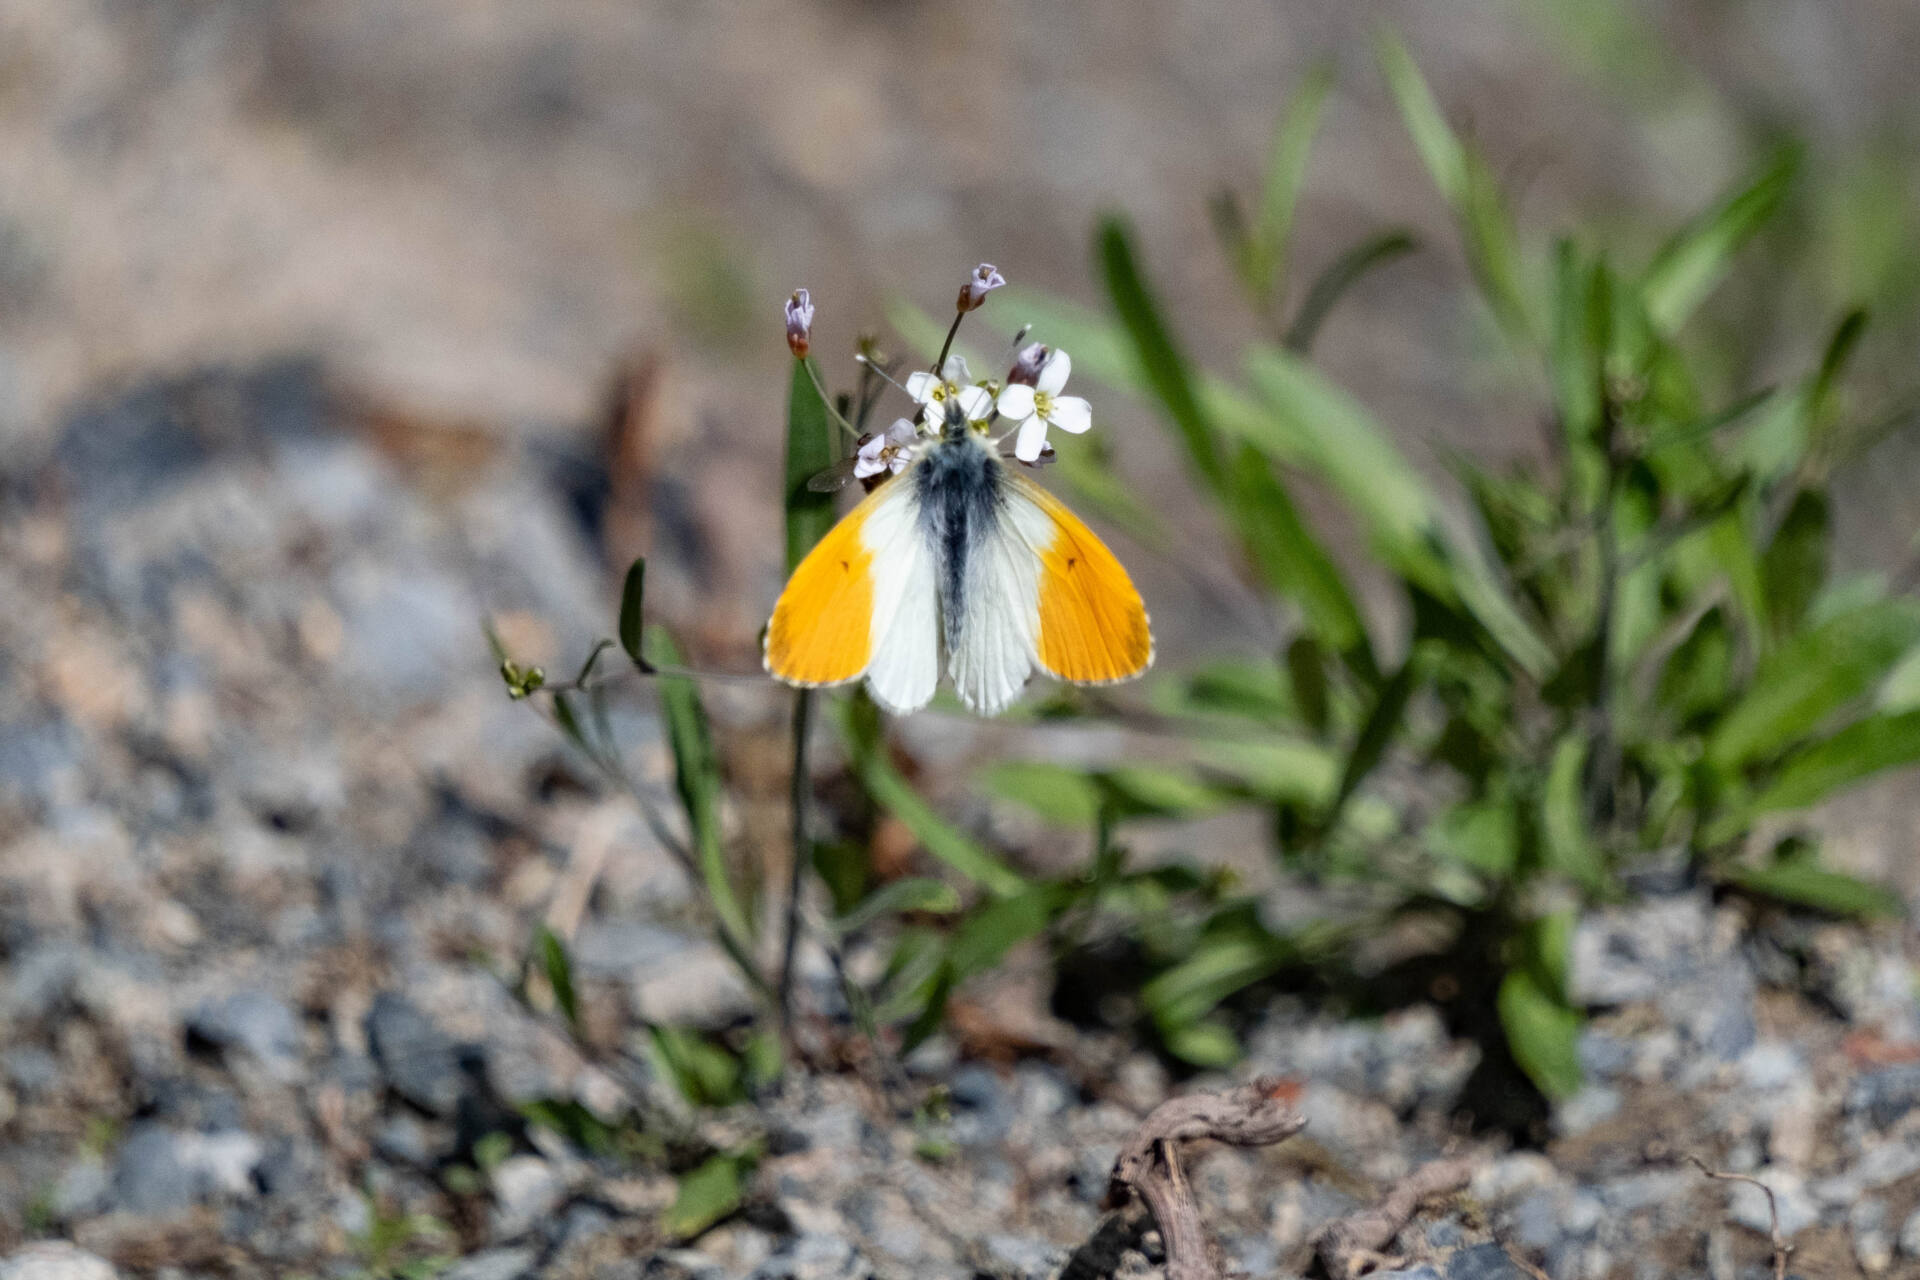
x=1422, y=1272
x=1586, y=1109
x=1747, y=1203
x=815, y=1256
x=982, y=1111
x=1910, y=1235
x=163, y=1170
x=1884, y=1096
x=622, y=948
x=1483, y=1262
x=1022, y=1257
x=252, y=1022
x=1770, y=1066
x=699, y=987
x=1630, y=954
x=494, y=1264
x=55, y=1260
x=420, y=1062
x=525, y=1190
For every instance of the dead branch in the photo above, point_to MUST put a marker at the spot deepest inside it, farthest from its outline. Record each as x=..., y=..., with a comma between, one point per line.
x=1351, y=1244
x=1258, y=1114
x=1779, y=1242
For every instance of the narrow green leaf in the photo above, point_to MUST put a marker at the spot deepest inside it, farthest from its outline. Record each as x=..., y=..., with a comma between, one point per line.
x=697, y=778
x=494, y=645
x=705, y=1074
x=811, y=449
x=1307, y=677
x=1440, y=149
x=1377, y=733
x=1852, y=755
x=1165, y=369
x=1576, y=364
x=569, y=722
x=1803, y=882
x=633, y=618
x=1542, y=1032
x=986, y=936
x=558, y=966
x=706, y=1196
x=1568, y=848
x=1807, y=679
x=1265, y=268
x=1900, y=691
x=1795, y=563
x=893, y=793
x=1277, y=769
x=899, y=898
x=1209, y=1045
x=1482, y=834
x=1692, y=264
x=1340, y=275
x=1225, y=960
x=1060, y=794
x=1290, y=558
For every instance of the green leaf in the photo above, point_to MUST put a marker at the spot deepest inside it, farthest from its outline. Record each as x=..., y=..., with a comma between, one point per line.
x=1307, y=678
x=893, y=793
x=898, y=898
x=1376, y=734
x=1481, y=834
x=1239, y=687
x=986, y=936
x=1857, y=752
x=1276, y=769
x=697, y=778
x=1061, y=794
x=1542, y=1032
x=1802, y=882
x=1900, y=691
x=1577, y=364
x=1264, y=270
x=558, y=966
x=811, y=449
x=1159, y=360
x=1692, y=264
x=632, y=610
x=1234, y=953
x=1290, y=558
x=1568, y=848
x=1795, y=563
x=1341, y=275
x=705, y=1074
x=1467, y=185
x=1209, y=1045
x=706, y=1196
x=1807, y=679
x=1324, y=429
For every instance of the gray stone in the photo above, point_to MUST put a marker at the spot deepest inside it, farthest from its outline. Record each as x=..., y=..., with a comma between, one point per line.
x=55, y=1260
x=1748, y=1204
x=494, y=1264
x=525, y=1190
x=1770, y=1066
x=1884, y=1096
x=1023, y=1257
x=162, y=1170
x=1483, y=1262
x=620, y=948
x=253, y=1022
x=1910, y=1235
x=420, y=1062
x=1422, y=1272
x=982, y=1111
x=84, y=1189
x=815, y=1256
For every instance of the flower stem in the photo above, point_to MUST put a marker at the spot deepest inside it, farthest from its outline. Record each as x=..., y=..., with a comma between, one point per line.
x=940, y=361
x=802, y=788
x=827, y=400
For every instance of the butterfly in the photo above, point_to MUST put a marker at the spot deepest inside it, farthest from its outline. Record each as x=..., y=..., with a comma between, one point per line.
x=960, y=558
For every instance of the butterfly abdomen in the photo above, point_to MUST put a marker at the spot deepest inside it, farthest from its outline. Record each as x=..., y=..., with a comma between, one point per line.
x=960, y=488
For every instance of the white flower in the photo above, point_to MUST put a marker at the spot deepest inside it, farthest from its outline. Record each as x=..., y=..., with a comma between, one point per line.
x=954, y=383
x=1041, y=406
x=886, y=451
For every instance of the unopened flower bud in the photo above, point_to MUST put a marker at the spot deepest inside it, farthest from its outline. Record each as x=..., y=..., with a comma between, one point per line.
x=985, y=279
x=800, y=323
x=1027, y=363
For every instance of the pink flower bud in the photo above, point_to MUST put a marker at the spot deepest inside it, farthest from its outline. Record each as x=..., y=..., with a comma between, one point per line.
x=800, y=323
x=1027, y=363
x=984, y=280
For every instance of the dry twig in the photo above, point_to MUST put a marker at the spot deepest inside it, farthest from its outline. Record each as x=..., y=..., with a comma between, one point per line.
x=1148, y=1166
x=1779, y=1242
x=1353, y=1242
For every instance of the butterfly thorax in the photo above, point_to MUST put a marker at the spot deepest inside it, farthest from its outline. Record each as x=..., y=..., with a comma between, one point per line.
x=959, y=484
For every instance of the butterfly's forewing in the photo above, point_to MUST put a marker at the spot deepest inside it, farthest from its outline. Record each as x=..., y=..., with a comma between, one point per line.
x=861, y=603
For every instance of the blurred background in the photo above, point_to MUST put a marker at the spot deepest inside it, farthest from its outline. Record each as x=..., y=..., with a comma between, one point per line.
x=328, y=327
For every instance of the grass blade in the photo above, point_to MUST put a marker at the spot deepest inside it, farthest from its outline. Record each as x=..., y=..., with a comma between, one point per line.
x=1264, y=270
x=697, y=777
x=633, y=619
x=1852, y=755
x=1693, y=263
x=811, y=449
x=1332, y=284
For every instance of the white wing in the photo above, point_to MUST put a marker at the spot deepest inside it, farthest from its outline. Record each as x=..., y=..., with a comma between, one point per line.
x=905, y=667
x=999, y=631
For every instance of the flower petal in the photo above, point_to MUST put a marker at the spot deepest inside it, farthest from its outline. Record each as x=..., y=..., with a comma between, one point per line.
x=975, y=402
x=1016, y=401
x=1053, y=374
x=920, y=386
x=955, y=370
x=1033, y=438
x=864, y=466
x=1071, y=413
x=902, y=432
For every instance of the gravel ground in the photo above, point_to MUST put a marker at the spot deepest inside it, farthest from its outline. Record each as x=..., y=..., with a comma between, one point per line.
x=276, y=842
